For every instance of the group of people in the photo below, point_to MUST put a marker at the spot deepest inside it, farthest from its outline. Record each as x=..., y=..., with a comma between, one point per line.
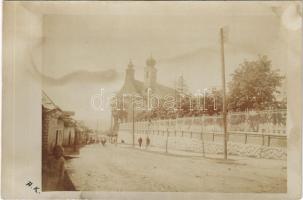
x=54, y=170
x=140, y=141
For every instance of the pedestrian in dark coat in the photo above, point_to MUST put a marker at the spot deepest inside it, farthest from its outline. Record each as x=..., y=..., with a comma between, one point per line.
x=147, y=141
x=140, y=141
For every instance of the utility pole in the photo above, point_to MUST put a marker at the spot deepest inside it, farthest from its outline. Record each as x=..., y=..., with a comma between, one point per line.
x=133, y=107
x=224, y=95
x=111, y=122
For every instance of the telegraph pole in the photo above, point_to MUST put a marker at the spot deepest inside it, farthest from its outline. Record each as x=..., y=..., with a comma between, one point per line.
x=166, y=143
x=133, y=124
x=224, y=95
x=111, y=122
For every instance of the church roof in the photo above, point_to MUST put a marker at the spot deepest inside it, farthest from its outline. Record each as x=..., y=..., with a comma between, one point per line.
x=132, y=87
x=136, y=87
x=163, y=90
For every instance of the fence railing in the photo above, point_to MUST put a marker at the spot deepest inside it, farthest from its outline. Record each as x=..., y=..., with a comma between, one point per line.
x=264, y=123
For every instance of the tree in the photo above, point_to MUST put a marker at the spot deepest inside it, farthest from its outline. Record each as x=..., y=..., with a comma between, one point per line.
x=214, y=102
x=254, y=86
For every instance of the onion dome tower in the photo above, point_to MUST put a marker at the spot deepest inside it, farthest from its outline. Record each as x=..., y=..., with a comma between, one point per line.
x=150, y=73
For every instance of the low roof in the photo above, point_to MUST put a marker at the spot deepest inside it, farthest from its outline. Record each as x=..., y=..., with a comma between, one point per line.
x=137, y=87
x=47, y=103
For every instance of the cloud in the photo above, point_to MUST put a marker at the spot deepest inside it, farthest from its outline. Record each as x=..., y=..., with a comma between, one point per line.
x=80, y=76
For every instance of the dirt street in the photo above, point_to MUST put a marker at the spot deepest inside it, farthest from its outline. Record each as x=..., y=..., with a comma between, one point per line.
x=122, y=168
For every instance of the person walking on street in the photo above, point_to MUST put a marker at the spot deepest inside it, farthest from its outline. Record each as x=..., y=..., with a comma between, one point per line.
x=103, y=141
x=140, y=142
x=147, y=142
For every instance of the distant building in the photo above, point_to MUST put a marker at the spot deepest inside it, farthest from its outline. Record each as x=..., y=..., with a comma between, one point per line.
x=81, y=134
x=58, y=127
x=133, y=87
x=52, y=125
x=69, y=132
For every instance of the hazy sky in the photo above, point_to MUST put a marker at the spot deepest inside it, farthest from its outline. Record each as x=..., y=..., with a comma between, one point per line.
x=183, y=37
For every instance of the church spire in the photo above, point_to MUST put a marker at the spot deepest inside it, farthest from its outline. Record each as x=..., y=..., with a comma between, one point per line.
x=150, y=76
x=130, y=72
x=130, y=64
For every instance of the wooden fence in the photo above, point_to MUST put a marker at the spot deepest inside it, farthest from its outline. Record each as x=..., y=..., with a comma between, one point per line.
x=266, y=125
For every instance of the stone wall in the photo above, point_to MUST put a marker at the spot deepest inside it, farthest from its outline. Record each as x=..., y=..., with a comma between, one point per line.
x=196, y=144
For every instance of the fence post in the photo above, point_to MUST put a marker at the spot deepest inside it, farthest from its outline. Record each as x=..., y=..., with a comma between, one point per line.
x=203, y=148
x=166, y=145
x=268, y=141
x=192, y=122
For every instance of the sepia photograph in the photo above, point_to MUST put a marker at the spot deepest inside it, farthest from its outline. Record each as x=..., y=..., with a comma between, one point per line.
x=162, y=97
